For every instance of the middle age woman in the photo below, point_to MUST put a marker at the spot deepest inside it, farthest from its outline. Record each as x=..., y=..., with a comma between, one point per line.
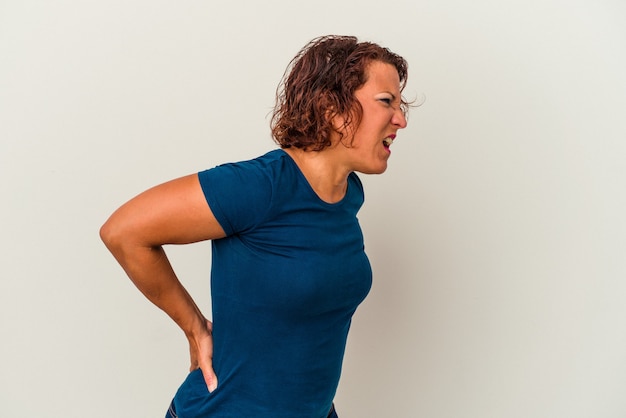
x=288, y=261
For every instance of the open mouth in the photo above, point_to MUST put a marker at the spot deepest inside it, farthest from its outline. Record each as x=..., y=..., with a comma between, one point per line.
x=388, y=141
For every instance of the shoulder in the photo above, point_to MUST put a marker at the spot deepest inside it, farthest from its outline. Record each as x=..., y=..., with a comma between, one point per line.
x=241, y=193
x=256, y=165
x=242, y=172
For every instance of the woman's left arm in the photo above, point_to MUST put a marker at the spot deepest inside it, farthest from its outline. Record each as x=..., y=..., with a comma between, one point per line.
x=175, y=212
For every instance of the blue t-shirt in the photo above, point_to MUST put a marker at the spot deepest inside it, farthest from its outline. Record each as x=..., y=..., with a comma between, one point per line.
x=285, y=283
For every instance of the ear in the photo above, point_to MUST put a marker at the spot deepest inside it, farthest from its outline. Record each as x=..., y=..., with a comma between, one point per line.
x=343, y=130
x=339, y=123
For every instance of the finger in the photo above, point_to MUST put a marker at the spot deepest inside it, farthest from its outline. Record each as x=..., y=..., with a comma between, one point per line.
x=209, y=378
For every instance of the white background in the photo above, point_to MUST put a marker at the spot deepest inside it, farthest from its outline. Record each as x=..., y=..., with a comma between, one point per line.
x=497, y=235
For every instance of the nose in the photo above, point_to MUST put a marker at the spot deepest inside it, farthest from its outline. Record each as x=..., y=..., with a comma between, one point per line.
x=399, y=119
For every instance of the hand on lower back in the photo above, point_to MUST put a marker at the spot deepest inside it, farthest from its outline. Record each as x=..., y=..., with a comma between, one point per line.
x=201, y=353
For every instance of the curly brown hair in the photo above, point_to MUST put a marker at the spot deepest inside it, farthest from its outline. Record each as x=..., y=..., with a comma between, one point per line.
x=319, y=83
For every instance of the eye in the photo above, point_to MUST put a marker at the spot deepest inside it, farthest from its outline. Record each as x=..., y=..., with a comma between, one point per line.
x=385, y=100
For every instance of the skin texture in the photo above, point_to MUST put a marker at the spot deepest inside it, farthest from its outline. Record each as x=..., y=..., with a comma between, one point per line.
x=176, y=212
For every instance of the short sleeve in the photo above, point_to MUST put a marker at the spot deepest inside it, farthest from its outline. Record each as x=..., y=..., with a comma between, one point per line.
x=239, y=194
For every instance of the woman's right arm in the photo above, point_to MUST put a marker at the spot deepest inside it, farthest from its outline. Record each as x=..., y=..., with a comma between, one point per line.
x=175, y=212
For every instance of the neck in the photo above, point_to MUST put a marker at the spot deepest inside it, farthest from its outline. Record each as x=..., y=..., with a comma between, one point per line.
x=327, y=178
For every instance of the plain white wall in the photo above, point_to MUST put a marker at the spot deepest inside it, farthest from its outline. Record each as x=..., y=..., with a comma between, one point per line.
x=497, y=236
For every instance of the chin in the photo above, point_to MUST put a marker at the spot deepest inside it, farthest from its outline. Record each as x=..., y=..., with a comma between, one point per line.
x=374, y=170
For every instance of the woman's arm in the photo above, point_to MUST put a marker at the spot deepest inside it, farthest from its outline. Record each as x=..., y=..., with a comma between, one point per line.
x=175, y=212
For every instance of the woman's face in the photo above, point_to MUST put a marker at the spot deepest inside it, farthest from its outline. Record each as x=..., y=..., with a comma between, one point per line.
x=380, y=97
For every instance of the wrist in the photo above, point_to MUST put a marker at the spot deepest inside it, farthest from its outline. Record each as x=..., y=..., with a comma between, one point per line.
x=198, y=327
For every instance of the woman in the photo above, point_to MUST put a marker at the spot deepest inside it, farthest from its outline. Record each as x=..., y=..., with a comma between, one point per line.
x=288, y=265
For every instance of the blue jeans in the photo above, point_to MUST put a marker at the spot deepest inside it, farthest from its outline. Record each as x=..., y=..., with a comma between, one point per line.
x=171, y=412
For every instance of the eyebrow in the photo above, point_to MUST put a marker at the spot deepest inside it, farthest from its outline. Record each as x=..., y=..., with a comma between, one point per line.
x=393, y=96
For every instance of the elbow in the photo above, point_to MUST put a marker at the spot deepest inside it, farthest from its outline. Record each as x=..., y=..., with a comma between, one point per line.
x=105, y=233
x=111, y=236
x=121, y=236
